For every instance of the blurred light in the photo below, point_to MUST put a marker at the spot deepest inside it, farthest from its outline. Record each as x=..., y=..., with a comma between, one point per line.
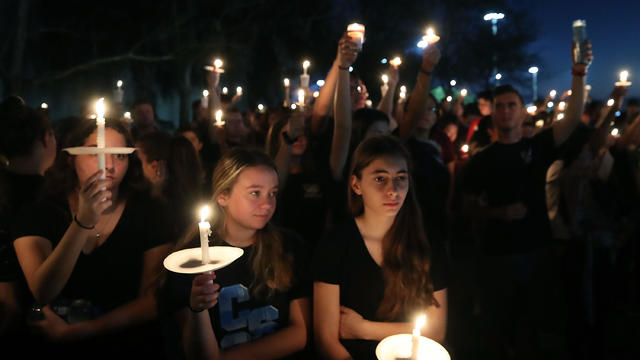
x=396, y=61
x=286, y=82
x=618, y=113
x=127, y=115
x=498, y=76
x=350, y=68
x=385, y=78
x=383, y=61
x=403, y=88
x=239, y=90
x=306, y=64
x=316, y=94
x=560, y=116
x=587, y=87
x=225, y=90
x=463, y=92
x=532, y=109
x=260, y=107
x=217, y=63
x=368, y=103
x=561, y=105
x=569, y=92
x=615, y=132
x=119, y=83
x=550, y=104
x=293, y=106
x=422, y=44
x=452, y=83
x=449, y=98
x=552, y=94
x=610, y=102
x=44, y=106
x=540, y=123
x=205, y=93
x=493, y=16
x=533, y=69
x=320, y=83
x=465, y=148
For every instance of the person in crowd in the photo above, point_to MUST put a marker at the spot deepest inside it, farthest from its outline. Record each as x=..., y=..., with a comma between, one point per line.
x=172, y=168
x=145, y=119
x=373, y=275
x=90, y=251
x=504, y=184
x=257, y=307
x=28, y=143
x=481, y=129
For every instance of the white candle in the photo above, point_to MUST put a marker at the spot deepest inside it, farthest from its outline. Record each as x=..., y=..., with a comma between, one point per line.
x=301, y=98
x=205, y=99
x=100, y=135
x=225, y=90
x=356, y=32
x=305, y=66
x=385, y=87
x=287, y=92
x=219, y=121
x=463, y=92
x=239, y=90
x=624, y=75
x=415, y=338
x=217, y=66
x=205, y=230
x=552, y=94
x=119, y=94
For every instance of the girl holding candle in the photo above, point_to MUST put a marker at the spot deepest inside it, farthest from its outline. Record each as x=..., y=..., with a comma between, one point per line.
x=373, y=274
x=258, y=306
x=90, y=251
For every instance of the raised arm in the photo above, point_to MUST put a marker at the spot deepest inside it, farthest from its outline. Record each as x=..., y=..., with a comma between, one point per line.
x=418, y=101
x=348, y=52
x=324, y=102
x=562, y=129
x=386, y=102
x=287, y=137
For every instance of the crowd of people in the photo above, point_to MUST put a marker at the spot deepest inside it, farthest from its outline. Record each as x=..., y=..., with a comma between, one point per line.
x=515, y=232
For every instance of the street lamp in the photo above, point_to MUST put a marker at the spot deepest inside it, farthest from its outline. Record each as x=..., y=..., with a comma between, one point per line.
x=494, y=17
x=498, y=77
x=534, y=73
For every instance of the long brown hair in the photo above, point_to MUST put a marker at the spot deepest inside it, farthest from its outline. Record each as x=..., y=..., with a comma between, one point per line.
x=272, y=267
x=406, y=251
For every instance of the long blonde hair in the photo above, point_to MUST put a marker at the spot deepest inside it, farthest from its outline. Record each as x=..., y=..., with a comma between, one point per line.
x=272, y=267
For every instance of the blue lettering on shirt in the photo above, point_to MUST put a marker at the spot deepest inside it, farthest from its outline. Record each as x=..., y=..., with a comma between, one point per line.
x=250, y=323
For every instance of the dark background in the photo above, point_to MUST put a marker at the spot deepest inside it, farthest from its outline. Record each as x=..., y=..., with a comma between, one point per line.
x=68, y=53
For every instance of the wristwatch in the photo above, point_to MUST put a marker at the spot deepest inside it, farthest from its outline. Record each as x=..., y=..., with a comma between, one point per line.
x=288, y=139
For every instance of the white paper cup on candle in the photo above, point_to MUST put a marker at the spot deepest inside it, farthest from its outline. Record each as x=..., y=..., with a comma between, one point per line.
x=356, y=33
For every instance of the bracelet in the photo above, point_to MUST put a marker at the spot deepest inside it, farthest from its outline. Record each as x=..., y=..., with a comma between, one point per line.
x=578, y=73
x=75, y=218
x=428, y=73
x=194, y=310
x=343, y=68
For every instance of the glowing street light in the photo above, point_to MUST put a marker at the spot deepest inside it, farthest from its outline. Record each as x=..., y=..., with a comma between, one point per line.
x=494, y=17
x=534, y=73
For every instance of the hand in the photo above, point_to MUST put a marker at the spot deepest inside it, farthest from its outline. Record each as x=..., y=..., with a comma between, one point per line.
x=515, y=211
x=93, y=198
x=213, y=79
x=430, y=57
x=204, y=292
x=53, y=326
x=351, y=324
x=393, y=74
x=618, y=93
x=586, y=53
x=347, y=51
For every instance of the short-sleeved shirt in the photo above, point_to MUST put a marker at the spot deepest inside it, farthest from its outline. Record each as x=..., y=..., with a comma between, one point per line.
x=343, y=259
x=110, y=275
x=504, y=174
x=240, y=316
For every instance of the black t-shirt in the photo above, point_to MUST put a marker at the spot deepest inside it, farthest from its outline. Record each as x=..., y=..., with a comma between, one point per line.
x=16, y=191
x=504, y=174
x=302, y=206
x=240, y=316
x=109, y=276
x=342, y=259
x=432, y=180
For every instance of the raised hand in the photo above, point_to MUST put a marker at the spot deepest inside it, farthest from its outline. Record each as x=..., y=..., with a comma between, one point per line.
x=347, y=51
x=586, y=53
x=430, y=58
x=93, y=199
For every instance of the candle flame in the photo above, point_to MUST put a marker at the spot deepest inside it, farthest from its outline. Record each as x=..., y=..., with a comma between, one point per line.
x=316, y=94
x=560, y=116
x=396, y=61
x=293, y=106
x=286, y=82
x=204, y=213
x=260, y=107
x=301, y=96
x=44, y=106
x=610, y=102
x=219, y=116
x=100, y=108
x=403, y=88
x=306, y=64
x=540, y=123
x=225, y=90
x=561, y=105
x=127, y=115
x=420, y=321
x=615, y=132
x=532, y=109
x=217, y=63
x=449, y=98
x=624, y=76
x=463, y=92
x=119, y=83
x=465, y=148
x=205, y=93
x=239, y=90
x=385, y=78
x=552, y=94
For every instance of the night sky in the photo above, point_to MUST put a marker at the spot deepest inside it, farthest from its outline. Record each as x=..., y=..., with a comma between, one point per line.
x=612, y=27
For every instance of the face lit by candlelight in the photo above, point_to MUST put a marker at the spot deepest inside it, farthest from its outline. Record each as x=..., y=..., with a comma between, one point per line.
x=384, y=185
x=252, y=200
x=116, y=165
x=430, y=116
x=508, y=112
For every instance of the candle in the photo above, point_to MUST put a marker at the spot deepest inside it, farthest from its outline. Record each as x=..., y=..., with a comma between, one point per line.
x=287, y=92
x=396, y=61
x=550, y=104
x=119, y=93
x=429, y=38
x=615, y=132
x=304, y=78
x=217, y=66
x=100, y=135
x=624, y=77
x=540, y=123
x=562, y=105
x=44, y=106
x=552, y=94
x=384, y=88
x=610, y=102
x=560, y=116
x=225, y=90
x=219, y=121
x=239, y=90
x=127, y=117
x=415, y=338
x=320, y=83
x=301, y=98
x=286, y=82
x=205, y=99
x=305, y=66
x=205, y=230
x=532, y=109
x=260, y=107
x=449, y=98
x=465, y=148
x=356, y=32
x=453, y=83
x=316, y=94
x=463, y=92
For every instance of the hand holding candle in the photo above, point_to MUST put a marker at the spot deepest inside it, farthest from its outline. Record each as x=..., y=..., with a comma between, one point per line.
x=356, y=32
x=429, y=38
x=624, y=77
x=205, y=231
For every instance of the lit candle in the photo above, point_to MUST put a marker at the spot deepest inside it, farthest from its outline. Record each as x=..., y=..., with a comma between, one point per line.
x=463, y=92
x=260, y=107
x=453, y=83
x=449, y=98
x=304, y=78
x=320, y=83
x=127, y=117
x=316, y=94
x=403, y=88
x=239, y=90
x=356, y=32
x=615, y=132
x=287, y=92
x=396, y=61
x=552, y=94
x=415, y=339
x=44, y=106
x=569, y=92
x=562, y=105
x=119, y=93
x=100, y=135
x=217, y=66
x=550, y=104
x=465, y=148
x=624, y=77
x=385, y=87
x=428, y=39
x=560, y=116
x=225, y=90
x=205, y=230
x=540, y=123
x=610, y=102
x=532, y=109
x=219, y=121
x=205, y=99
x=305, y=66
